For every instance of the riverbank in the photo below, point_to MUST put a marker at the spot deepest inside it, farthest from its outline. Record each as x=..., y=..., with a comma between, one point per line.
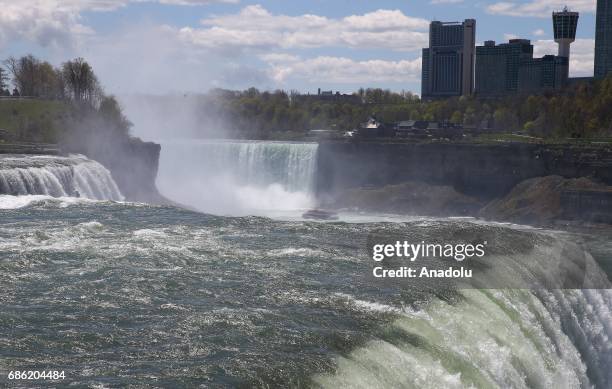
x=526, y=183
x=522, y=183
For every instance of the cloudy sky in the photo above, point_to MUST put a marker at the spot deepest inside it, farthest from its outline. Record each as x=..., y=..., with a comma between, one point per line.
x=161, y=46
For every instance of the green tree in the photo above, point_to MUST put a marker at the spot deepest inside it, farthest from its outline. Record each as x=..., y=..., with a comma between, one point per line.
x=505, y=119
x=80, y=82
x=457, y=117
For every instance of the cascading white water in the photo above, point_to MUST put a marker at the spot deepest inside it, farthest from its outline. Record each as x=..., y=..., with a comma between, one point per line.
x=237, y=178
x=494, y=338
x=57, y=177
x=544, y=337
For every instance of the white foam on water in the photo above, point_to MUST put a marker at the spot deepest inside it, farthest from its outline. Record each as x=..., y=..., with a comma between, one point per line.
x=92, y=226
x=371, y=306
x=292, y=251
x=16, y=202
x=149, y=233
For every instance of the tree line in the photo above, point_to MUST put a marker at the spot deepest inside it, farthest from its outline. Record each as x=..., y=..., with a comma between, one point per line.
x=74, y=80
x=288, y=114
x=579, y=111
x=70, y=103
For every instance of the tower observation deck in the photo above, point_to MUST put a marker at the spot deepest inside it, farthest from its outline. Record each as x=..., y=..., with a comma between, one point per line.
x=565, y=24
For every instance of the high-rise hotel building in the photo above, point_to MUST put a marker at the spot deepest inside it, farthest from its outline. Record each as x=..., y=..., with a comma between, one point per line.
x=497, y=66
x=510, y=68
x=448, y=63
x=603, y=39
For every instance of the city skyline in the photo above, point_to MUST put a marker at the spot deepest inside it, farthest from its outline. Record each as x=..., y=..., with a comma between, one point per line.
x=510, y=67
x=195, y=45
x=603, y=39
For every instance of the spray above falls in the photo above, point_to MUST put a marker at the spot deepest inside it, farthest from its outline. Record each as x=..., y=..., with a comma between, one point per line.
x=57, y=177
x=239, y=177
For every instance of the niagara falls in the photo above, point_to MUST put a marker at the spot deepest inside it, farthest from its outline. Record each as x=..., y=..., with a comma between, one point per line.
x=266, y=301
x=235, y=194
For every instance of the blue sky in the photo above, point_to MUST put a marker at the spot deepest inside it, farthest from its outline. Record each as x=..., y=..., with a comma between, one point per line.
x=185, y=46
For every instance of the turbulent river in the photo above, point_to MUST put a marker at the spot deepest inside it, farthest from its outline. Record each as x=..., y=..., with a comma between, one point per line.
x=118, y=294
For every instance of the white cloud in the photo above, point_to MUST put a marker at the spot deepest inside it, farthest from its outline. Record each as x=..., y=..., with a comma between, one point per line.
x=345, y=70
x=194, y=2
x=144, y=57
x=46, y=23
x=58, y=22
x=539, y=8
x=256, y=27
x=274, y=58
x=383, y=20
x=445, y=1
x=100, y=5
x=539, y=32
x=510, y=36
x=581, y=58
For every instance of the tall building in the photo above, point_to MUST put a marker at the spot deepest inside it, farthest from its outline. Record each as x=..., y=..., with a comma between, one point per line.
x=448, y=63
x=497, y=66
x=510, y=68
x=603, y=39
x=565, y=24
x=539, y=74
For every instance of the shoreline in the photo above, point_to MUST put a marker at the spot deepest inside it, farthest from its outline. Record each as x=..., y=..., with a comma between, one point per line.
x=394, y=178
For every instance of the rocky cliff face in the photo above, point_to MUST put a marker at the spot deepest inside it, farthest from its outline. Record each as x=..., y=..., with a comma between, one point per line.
x=413, y=198
x=542, y=200
x=132, y=162
x=483, y=171
x=524, y=183
x=134, y=167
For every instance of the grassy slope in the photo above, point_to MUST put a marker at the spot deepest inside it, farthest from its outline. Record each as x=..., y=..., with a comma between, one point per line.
x=33, y=120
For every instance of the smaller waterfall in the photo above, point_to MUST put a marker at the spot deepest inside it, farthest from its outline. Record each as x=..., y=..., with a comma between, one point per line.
x=56, y=177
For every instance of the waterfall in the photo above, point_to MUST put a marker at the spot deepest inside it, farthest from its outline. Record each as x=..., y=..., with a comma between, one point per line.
x=233, y=177
x=57, y=177
x=490, y=338
x=260, y=164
